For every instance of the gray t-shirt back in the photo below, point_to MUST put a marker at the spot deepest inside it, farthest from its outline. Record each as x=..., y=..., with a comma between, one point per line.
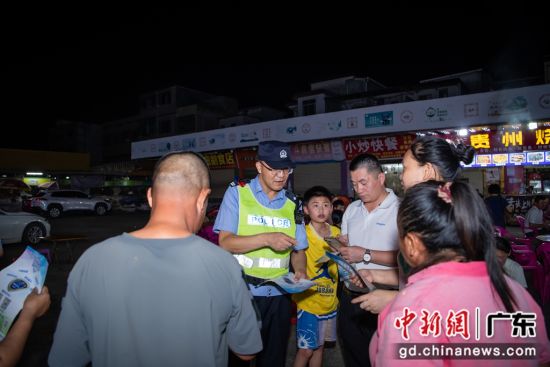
x=155, y=302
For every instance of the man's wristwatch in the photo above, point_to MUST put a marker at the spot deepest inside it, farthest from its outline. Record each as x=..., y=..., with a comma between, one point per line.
x=367, y=257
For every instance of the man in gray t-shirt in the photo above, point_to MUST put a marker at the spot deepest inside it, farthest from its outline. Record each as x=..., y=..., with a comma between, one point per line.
x=159, y=296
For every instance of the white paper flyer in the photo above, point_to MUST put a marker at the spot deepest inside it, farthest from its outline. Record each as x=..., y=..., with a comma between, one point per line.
x=17, y=282
x=290, y=285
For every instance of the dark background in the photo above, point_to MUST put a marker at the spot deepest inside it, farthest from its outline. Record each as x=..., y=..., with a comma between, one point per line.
x=90, y=63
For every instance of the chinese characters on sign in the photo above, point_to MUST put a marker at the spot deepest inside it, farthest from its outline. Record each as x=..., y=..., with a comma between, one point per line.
x=510, y=141
x=220, y=160
x=479, y=141
x=381, y=147
x=493, y=148
x=543, y=136
x=512, y=138
x=312, y=151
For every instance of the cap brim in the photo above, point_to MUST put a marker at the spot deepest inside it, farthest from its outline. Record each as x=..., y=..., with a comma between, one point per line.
x=280, y=164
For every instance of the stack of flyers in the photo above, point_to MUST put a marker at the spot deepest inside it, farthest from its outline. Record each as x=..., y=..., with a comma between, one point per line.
x=290, y=285
x=16, y=282
x=346, y=271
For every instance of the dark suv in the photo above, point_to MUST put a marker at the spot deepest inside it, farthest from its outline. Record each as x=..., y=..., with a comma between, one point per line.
x=56, y=202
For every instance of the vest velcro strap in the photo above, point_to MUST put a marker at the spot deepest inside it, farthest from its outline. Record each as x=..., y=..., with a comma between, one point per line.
x=262, y=262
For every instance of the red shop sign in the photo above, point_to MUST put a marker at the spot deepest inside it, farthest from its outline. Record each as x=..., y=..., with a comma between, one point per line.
x=379, y=146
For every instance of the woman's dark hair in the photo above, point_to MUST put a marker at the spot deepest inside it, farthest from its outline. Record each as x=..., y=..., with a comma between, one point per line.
x=442, y=154
x=461, y=227
x=337, y=216
x=503, y=244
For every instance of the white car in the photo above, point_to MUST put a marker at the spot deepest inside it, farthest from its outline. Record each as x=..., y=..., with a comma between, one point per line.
x=22, y=227
x=56, y=202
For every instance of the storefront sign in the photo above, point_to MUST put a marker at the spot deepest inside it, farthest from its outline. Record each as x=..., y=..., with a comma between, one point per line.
x=220, y=160
x=533, y=158
x=510, y=140
x=377, y=119
x=383, y=147
x=318, y=151
x=513, y=179
x=246, y=158
x=495, y=107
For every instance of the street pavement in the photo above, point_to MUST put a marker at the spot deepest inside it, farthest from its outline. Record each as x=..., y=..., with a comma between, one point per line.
x=96, y=229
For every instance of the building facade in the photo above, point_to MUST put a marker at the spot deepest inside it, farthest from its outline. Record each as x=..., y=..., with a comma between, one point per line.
x=459, y=106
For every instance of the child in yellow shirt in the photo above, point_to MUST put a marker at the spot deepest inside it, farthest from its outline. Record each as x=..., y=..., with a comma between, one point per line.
x=317, y=306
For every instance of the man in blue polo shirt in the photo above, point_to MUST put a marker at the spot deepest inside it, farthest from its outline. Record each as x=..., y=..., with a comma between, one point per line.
x=257, y=223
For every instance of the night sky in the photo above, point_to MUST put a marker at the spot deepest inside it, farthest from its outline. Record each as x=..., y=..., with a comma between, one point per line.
x=91, y=64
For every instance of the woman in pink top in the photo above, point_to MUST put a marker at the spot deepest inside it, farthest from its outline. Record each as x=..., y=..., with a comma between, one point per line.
x=457, y=309
x=207, y=229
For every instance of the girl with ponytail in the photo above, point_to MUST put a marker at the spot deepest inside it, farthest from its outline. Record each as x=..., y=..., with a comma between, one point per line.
x=446, y=236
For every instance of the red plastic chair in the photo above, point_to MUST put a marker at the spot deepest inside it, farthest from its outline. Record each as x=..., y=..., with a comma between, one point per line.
x=543, y=252
x=520, y=247
x=523, y=241
x=534, y=271
x=501, y=232
x=521, y=244
x=524, y=257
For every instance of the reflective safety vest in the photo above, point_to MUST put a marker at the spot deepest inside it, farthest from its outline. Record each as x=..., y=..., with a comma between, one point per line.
x=254, y=218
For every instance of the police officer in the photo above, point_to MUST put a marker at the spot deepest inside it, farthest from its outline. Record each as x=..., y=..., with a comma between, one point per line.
x=257, y=222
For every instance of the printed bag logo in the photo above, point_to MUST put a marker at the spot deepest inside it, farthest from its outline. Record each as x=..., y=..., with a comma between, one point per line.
x=17, y=284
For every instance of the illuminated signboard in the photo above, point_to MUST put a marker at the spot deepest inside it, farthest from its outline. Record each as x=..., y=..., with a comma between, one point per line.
x=533, y=158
